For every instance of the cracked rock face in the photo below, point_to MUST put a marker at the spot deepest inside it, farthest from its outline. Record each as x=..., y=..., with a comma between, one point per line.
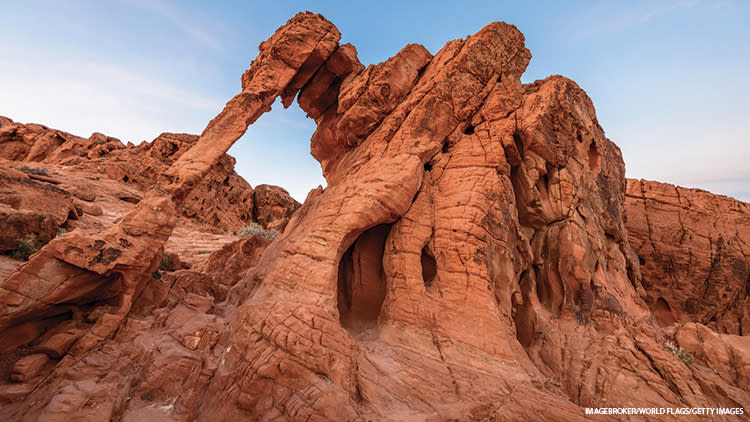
x=222, y=199
x=695, y=253
x=469, y=259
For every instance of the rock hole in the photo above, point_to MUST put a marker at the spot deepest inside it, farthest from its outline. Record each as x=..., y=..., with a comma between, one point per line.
x=361, y=281
x=579, y=137
x=446, y=147
x=125, y=178
x=500, y=78
x=593, y=157
x=663, y=313
x=469, y=130
x=427, y=166
x=522, y=311
x=170, y=149
x=429, y=267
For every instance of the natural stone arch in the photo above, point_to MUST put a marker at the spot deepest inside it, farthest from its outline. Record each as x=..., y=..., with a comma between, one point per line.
x=131, y=250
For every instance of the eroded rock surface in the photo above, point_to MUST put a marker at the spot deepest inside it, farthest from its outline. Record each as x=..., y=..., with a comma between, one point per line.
x=222, y=199
x=32, y=207
x=470, y=259
x=694, y=248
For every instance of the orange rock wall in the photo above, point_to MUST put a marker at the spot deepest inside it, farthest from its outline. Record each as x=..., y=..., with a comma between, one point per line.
x=470, y=259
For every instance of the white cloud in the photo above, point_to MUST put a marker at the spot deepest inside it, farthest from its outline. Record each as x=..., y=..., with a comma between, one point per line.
x=603, y=18
x=646, y=11
x=82, y=96
x=172, y=14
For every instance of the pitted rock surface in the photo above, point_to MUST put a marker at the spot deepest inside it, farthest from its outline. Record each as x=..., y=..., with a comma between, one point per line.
x=477, y=255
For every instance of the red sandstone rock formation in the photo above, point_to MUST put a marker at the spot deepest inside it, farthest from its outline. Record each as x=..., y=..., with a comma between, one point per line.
x=469, y=260
x=32, y=207
x=223, y=199
x=694, y=248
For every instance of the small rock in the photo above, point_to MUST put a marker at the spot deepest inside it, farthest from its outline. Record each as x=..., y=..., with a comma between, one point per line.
x=14, y=392
x=57, y=345
x=84, y=194
x=91, y=209
x=28, y=367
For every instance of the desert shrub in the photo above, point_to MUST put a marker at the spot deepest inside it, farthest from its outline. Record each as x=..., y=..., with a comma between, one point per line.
x=681, y=353
x=27, y=246
x=255, y=229
x=61, y=231
x=39, y=171
x=166, y=262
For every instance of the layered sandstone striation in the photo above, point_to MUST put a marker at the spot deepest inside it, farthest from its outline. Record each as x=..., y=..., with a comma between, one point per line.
x=470, y=259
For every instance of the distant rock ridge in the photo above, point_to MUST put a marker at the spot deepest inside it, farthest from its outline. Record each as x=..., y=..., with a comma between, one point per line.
x=223, y=198
x=477, y=255
x=694, y=248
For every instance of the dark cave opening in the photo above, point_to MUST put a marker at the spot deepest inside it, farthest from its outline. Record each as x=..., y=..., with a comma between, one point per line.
x=522, y=311
x=361, y=281
x=429, y=267
x=663, y=313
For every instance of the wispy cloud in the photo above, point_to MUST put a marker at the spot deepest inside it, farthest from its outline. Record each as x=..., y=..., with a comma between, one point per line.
x=82, y=96
x=178, y=19
x=608, y=18
x=138, y=84
x=645, y=12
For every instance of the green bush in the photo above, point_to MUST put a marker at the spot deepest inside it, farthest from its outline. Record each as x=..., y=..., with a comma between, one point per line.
x=681, y=353
x=39, y=171
x=27, y=246
x=166, y=262
x=255, y=229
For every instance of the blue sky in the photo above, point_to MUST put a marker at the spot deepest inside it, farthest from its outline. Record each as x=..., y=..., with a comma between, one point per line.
x=668, y=78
